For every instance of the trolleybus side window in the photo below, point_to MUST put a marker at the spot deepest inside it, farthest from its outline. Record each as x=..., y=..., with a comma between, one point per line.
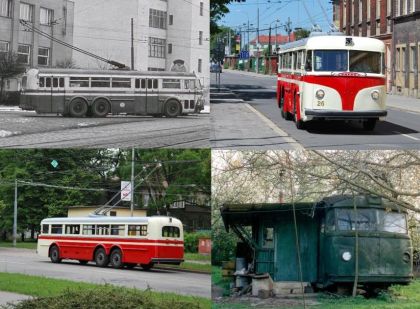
x=79, y=82
x=100, y=82
x=308, y=62
x=137, y=230
x=62, y=82
x=171, y=83
x=118, y=230
x=150, y=83
x=45, y=228
x=41, y=82
x=299, y=60
x=73, y=229
x=140, y=83
x=88, y=229
x=56, y=229
x=55, y=82
x=48, y=82
x=121, y=82
x=102, y=229
x=170, y=231
x=155, y=84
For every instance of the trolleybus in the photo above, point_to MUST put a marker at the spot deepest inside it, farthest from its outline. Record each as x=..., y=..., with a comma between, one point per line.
x=119, y=241
x=79, y=93
x=332, y=76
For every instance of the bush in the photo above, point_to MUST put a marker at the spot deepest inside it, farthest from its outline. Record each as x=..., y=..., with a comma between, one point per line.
x=109, y=297
x=191, y=241
x=10, y=98
x=223, y=246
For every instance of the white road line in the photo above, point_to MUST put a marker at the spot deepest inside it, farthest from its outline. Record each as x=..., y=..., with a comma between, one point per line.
x=276, y=129
x=408, y=136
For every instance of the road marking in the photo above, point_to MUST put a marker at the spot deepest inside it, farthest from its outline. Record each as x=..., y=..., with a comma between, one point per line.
x=276, y=129
x=408, y=136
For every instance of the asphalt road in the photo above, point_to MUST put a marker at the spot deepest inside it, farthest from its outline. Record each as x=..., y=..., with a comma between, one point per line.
x=399, y=130
x=19, y=129
x=28, y=262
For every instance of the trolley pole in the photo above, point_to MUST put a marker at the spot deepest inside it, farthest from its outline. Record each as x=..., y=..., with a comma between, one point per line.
x=132, y=44
x=15, y=216
x=132, y=183
x=258, y=38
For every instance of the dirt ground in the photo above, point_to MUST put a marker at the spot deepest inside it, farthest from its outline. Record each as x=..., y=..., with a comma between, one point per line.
x=273, y=302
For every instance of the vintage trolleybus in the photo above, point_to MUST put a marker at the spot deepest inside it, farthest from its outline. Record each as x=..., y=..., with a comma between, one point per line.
x=332, y=76
x=79, y=93
x=119, y=241
x=332, y=236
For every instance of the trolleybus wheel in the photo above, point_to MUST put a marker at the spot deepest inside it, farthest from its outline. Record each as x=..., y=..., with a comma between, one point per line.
x=172, y=109
x=116, y=258
x=83, y=262
x=55, y=254
x=300, y=125
x=101, y=259
x=78, y=108
x=146, y=266
x=130, y=265
x=369, y=124
x=100, y=108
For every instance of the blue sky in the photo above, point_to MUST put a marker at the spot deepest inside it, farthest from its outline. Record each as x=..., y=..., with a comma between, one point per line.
x=271, y=10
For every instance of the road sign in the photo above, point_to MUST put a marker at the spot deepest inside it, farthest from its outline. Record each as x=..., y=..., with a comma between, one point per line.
x=244, y=54
x=54, y=163
x=126, y=190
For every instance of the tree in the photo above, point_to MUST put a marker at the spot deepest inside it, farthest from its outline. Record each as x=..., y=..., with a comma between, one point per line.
x=9, y=67
x=302, y=33
x=218, y=8
x=68, y=63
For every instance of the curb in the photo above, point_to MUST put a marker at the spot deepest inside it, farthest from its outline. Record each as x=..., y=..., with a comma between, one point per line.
x=183, y=270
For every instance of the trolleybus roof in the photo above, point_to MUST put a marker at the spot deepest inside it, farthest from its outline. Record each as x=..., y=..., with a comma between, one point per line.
x=108, y=219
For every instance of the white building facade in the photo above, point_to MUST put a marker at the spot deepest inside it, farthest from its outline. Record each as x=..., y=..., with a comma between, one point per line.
x=169, y=35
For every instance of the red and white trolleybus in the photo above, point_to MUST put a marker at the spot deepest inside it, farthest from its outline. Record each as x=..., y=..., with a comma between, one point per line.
x=119, y=241
x=332, y=76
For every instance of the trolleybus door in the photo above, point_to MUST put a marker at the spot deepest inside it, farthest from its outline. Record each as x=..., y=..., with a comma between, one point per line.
x=140, y=94
x=152, y=97
x=57, y=95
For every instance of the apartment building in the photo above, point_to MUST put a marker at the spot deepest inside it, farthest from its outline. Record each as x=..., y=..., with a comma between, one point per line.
x=170, y=35
x=53, y=17
x=406, y=41
x=369, y=18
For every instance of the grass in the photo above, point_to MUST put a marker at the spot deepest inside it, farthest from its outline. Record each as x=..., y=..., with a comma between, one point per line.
x=205, y=268
x=58, y=293
x=20, y=245
x=398, y=296
x=197, y=257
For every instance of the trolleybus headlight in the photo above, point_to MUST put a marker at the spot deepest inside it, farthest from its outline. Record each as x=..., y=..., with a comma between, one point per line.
x=375, y=95
x=320, y=94
x=346, y=256
x=406, y=257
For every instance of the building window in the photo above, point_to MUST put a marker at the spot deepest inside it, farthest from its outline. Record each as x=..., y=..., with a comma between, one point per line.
x=43, y=56
x=403, y=59
x=46, y=16
x=398, y=60
x=200, y=38
x=412, y=58
x=26, y=12
x=201, y=8
x=24, y=54
x=200, y=64
x=4, y=48
x=171, y=20
x=157, y=19
x=157, y=47
x=155, y=69
x=6, y=8
x=170, y=48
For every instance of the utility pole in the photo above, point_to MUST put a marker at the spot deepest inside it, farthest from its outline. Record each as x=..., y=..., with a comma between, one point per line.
x=132, y=46
x=132, y=182
x=15, y=216
x=276, y=39
x=269, y=50
x=258, y=37
x=288, y=28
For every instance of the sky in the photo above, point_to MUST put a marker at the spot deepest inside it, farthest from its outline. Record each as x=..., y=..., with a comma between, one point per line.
x=272, y=10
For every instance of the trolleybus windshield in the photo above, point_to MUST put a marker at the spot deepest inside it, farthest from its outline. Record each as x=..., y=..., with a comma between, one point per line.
x=343, y=60
x=371, y=220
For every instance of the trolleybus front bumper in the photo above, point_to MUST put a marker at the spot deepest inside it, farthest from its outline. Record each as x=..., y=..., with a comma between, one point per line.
x=330, y=114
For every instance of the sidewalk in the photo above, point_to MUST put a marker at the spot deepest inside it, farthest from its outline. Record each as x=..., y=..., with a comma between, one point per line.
x=7, y=297
x=394, y=101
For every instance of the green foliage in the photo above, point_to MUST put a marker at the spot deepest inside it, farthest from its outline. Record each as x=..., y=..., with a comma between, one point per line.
x=223, y=245
x=54, y=293
x=302, y=33
x=191, y=241
x=184, y=175
x=218, y=9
